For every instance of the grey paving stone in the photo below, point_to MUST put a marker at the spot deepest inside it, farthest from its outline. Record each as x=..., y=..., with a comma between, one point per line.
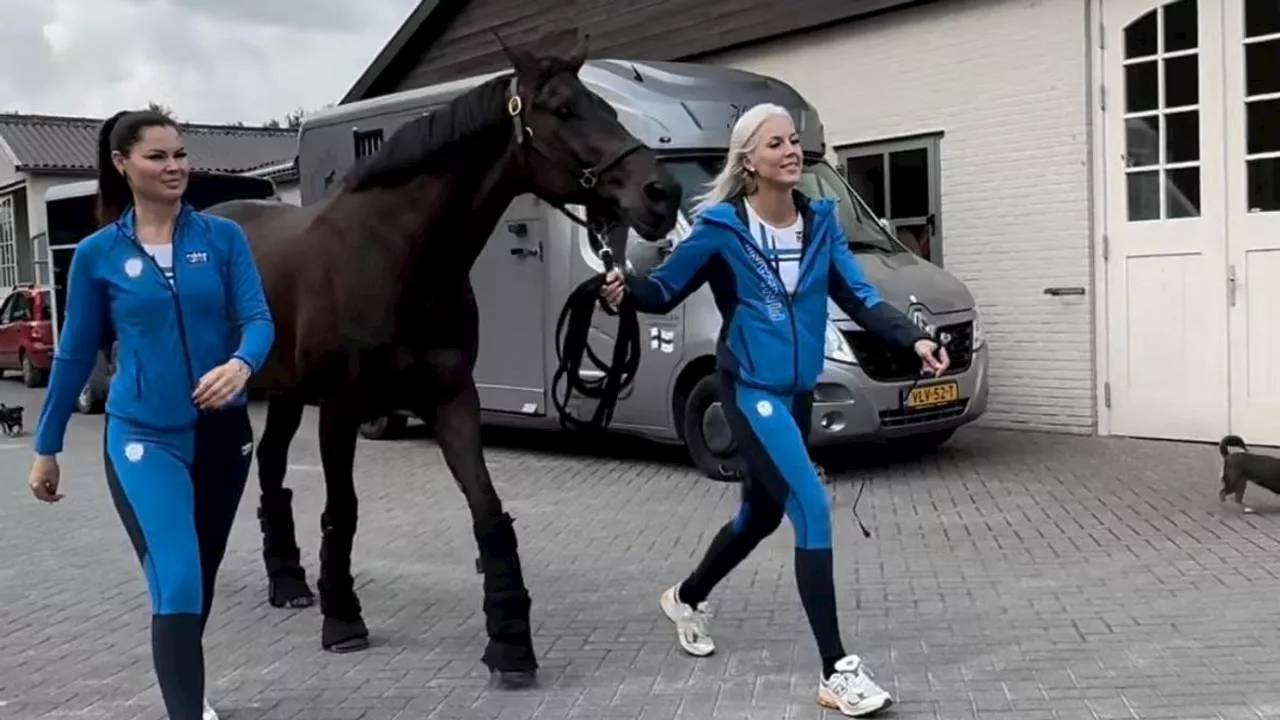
x=1016, y=576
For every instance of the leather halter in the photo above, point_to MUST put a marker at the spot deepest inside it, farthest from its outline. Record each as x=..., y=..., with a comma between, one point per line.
x=587, y=177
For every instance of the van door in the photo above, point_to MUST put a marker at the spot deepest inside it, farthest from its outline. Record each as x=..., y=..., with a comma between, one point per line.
x=509, y=279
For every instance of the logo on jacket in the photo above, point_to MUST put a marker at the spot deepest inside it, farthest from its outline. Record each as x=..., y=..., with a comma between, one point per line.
x=195, y=257
x=133, y=267
x=765, y=408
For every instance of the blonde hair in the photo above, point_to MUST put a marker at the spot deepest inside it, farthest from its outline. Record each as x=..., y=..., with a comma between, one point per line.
x=733, y=178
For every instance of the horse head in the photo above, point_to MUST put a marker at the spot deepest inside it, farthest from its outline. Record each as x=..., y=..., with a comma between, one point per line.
x=574, y=149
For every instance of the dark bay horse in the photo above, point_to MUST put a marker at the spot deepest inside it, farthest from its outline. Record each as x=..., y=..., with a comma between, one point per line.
x=372, y=302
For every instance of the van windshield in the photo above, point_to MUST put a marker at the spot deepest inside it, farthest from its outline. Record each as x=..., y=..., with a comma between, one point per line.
x=818, y=180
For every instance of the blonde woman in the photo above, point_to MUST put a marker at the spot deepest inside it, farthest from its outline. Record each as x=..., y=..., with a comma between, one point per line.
x=772, y=257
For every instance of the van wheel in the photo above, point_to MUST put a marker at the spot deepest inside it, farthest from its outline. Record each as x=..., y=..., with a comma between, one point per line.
x=386, y=427
x=707, y=436
x=32, y=377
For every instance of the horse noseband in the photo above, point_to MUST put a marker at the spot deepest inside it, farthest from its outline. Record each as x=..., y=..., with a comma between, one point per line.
x=587, y=177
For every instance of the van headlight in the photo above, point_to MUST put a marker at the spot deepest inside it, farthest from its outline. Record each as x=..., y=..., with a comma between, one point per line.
x=836, y=347
x=979, y=331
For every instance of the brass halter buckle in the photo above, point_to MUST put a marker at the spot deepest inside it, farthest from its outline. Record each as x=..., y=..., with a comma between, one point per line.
x=514, y=106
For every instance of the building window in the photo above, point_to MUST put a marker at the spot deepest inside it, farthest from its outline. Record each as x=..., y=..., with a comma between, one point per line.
x=8, y=244
x=1162, y=113
x=898, y=180
x=1262, y=104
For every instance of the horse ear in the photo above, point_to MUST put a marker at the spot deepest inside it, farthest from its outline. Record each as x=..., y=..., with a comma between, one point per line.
x=578, y=55
x=523, y=62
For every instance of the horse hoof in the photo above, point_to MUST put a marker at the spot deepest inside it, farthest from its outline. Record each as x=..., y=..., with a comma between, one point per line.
x=515, y=679
x=342, y=636
x=290, y=592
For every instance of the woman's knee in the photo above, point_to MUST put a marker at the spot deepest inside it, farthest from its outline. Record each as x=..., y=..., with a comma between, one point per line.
x=809, y=510
x=177, y=588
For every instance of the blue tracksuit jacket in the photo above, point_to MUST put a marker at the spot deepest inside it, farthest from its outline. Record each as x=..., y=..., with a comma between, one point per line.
x=169, y=336
x=771, y=339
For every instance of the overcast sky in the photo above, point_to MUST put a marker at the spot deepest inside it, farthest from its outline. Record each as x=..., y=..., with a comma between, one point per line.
x=215, y=61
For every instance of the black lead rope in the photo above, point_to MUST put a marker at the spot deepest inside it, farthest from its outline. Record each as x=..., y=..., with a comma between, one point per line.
x=862, y=485
x=573, y=331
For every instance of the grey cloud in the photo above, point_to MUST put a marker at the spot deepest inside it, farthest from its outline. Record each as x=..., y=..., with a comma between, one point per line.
x=210, y=60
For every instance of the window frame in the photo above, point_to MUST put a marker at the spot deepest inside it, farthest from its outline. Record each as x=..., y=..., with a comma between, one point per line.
x=8, y=242
x=931, y=143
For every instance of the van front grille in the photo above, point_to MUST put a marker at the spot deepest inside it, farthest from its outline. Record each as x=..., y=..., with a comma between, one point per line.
x=884, y=364
x=902, y=418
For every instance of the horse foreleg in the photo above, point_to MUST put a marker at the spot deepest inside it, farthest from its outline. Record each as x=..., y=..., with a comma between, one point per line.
x=286, y=578
x=344, y=629
x=506, y=599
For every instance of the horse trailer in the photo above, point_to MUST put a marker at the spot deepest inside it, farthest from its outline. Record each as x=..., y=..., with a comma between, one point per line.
x=537, y=256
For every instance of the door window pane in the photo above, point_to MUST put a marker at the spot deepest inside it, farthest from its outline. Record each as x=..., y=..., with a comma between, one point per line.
x=1182, y=137
x=1181, y=23
x=1144, y=195
x=1142, y=141
x=1141, y=87
x=1182, y=192
x=1261, y=17
x=866, y=175
x=1140, y=37
x=1263, y=126
x=1262, y=67
x=909, y=183
x=1181, y=81
x=1264, y=185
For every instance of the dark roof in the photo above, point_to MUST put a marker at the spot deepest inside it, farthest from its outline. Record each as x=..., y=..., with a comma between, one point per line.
x=52, y=143
x=733, y=23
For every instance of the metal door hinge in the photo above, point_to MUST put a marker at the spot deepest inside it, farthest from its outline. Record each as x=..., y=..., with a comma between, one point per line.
x=1106, y=394
x=1102, y=96
x=1231, y=285
x=1106, y=246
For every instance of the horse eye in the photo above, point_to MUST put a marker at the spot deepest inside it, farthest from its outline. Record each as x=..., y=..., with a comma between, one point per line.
x=564, y=112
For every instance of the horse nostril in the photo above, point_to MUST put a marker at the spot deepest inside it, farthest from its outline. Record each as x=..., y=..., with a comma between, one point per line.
x=655, y=191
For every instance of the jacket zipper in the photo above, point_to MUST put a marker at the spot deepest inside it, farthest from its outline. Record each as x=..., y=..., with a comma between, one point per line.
x=173, y=292
x=791, y=312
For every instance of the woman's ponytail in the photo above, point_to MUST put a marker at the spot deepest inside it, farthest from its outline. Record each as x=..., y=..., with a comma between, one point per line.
x=114, y=194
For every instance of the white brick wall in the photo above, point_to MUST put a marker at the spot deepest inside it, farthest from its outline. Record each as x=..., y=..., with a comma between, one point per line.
x=1007, y=82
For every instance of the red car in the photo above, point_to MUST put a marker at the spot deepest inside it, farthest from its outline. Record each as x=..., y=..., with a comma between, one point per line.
x=26, y=333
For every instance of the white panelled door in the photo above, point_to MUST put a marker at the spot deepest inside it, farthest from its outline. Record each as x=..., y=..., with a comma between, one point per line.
x=1192, y=144
x=1166, y=257
x=1251, y=40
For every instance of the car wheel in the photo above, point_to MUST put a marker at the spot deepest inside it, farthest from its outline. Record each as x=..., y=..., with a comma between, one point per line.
x=707, y=436
x=386, y=427
x=32, y=376
x=87, y=401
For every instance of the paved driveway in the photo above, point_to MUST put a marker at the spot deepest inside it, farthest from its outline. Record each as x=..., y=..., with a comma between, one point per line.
x=1013, y=575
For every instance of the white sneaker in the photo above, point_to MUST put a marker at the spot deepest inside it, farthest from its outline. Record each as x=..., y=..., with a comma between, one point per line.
x=691, y=623
x=209, y=713
x=852, y=691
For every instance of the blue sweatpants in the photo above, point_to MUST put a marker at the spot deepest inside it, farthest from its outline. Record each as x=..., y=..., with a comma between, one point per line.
x=177, y=494
x=769, y=432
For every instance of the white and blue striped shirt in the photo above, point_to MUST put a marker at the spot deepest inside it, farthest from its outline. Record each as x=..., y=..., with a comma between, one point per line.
x=781, y=245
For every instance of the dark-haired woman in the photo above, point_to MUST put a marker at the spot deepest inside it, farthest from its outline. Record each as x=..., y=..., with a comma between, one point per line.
x=179, y=291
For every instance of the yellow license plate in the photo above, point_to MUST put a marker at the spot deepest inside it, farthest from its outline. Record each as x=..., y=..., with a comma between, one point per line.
x=938, y=394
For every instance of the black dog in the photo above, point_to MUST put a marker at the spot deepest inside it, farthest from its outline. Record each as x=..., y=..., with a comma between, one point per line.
x=11, y=419
x=1240, y=469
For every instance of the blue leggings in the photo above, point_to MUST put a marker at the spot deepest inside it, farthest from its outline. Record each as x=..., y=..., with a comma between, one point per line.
x=177, y=494
x=769, y=432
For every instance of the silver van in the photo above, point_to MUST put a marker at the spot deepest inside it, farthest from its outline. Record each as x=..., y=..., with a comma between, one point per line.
x=536, y=257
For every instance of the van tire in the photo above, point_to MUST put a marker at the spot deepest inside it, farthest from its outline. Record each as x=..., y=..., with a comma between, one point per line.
x=699, y=410
x=385, y=427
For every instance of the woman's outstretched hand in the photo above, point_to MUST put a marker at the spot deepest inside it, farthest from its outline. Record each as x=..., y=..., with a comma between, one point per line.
x=933, y=356
x=613, y=288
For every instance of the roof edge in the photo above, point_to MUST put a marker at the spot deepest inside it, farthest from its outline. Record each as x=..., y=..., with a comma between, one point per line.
x=407, y=35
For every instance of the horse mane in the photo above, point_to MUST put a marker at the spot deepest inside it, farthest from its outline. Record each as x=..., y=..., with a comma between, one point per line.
x=425, y=142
